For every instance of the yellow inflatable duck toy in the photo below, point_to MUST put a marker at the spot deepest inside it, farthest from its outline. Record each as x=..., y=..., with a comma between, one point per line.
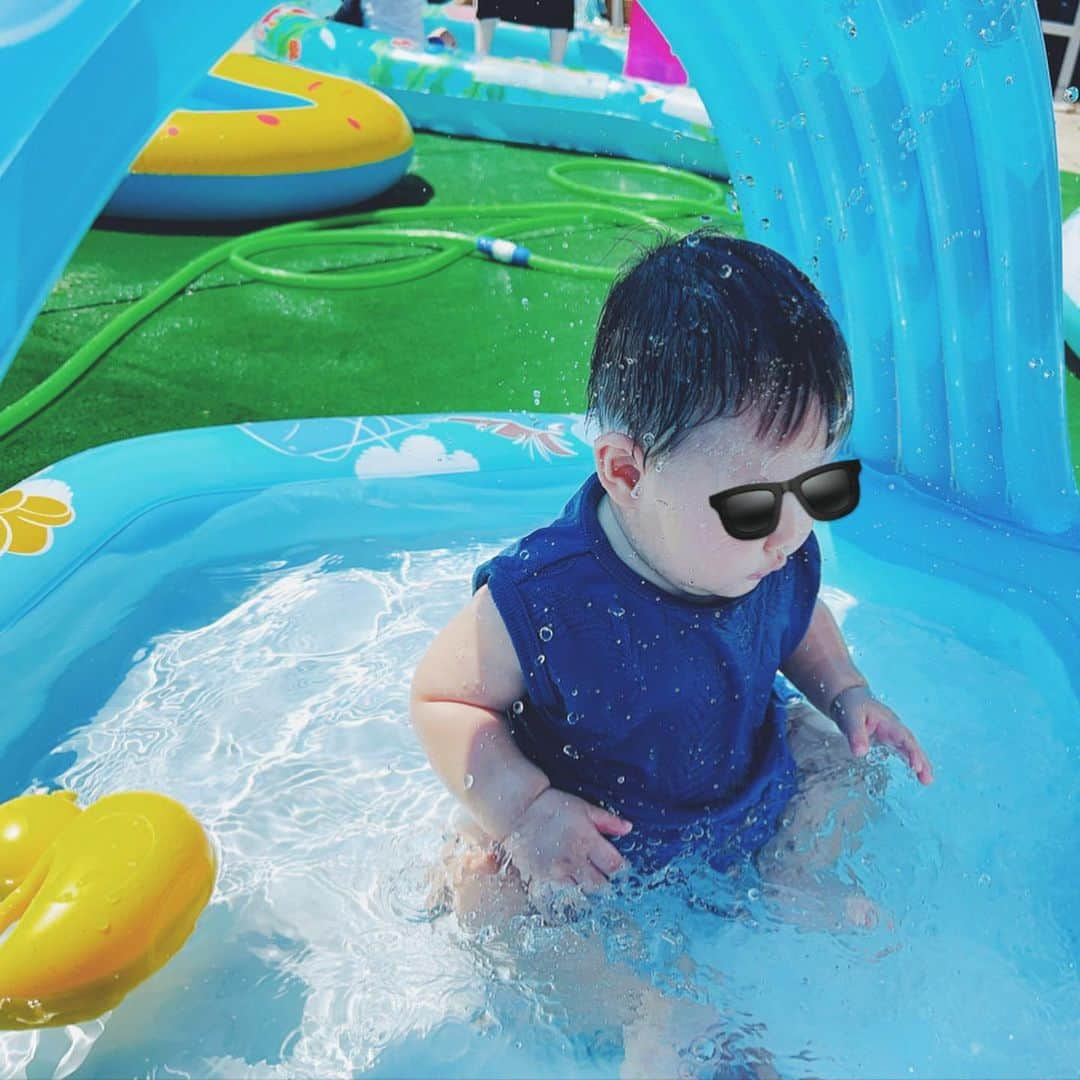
x=99, y=898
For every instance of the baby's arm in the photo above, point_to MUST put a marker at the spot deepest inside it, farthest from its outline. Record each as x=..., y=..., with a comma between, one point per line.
x=821, y=668
x=460, y=688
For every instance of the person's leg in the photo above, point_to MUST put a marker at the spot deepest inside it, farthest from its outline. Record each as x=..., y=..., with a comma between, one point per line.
x=834, y=801
x=350, y=13
x=485, y=36
x=559, y=39
x=595, y=992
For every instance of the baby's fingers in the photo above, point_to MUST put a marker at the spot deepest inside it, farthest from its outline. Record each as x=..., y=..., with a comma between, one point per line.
x=908, y=746
x=606, y=858
x=607, y=822
x=920, y=763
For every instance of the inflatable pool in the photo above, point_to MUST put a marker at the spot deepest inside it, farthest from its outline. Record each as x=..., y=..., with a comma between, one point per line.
x=235, y=624
x=259, y=139
x=241, y=618
x=524, y=101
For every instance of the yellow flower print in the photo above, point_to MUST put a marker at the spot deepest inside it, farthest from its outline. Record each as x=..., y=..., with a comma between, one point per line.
x=30, y=512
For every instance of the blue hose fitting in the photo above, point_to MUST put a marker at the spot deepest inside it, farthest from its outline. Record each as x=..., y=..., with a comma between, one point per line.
x=504, y=251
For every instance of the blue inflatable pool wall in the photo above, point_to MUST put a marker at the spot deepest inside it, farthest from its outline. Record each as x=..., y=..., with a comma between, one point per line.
x=903, y=154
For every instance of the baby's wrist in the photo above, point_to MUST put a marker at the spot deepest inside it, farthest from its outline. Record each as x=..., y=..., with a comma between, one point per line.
x=835, y=703
x=510, y=825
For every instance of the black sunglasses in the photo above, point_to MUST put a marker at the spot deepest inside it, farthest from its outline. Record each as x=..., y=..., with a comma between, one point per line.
x=752, y=511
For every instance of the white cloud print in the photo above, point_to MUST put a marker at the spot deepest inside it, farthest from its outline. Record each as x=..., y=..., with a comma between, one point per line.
x=416, y=456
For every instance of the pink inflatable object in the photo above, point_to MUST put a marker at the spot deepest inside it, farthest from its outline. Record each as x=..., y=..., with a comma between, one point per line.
x=648, y=55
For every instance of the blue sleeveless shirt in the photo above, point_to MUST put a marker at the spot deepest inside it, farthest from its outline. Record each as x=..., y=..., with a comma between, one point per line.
x=663, y=709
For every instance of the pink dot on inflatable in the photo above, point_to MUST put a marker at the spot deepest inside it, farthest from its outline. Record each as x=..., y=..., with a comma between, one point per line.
x=267, y=118
x=172, y=129
x=355, y=123
x=315, y=85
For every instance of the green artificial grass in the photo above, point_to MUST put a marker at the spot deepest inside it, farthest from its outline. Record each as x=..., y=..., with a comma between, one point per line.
x=477, y=336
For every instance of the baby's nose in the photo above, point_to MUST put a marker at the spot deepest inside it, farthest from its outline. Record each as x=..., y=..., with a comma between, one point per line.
x=792, y=520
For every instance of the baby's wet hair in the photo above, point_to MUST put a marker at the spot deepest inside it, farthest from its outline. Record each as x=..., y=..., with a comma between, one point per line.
x=710, y=326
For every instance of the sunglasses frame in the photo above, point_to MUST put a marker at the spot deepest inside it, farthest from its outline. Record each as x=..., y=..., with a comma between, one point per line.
x=852, y=466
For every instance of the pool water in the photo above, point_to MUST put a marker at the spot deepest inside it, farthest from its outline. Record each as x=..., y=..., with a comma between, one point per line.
x=268, y=691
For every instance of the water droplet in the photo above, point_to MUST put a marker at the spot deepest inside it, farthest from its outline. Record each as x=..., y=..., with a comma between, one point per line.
x=725, y=271
x=692, y=240
x=765, y=223
x=753, y=894
x=984, y=879
x=546, y=633
x=848, y=24
x=570, y=752
x=518, y=707
x=541, y=659
x=572, y=718
x=617, y=611
x=778, y=194
x=525, y=302
x=536, y=397
x=1009, y=80
x=706, y=218
x=620, y=779
x=1072, y=95
x=469, y=780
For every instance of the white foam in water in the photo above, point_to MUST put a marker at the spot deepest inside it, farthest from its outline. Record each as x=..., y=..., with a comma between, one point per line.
x=282, y=723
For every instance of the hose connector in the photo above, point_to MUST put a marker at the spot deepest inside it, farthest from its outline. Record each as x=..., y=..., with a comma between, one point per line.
x=504, y=251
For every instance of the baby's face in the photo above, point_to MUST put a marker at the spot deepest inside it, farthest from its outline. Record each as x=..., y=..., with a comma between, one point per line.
x=671, y=523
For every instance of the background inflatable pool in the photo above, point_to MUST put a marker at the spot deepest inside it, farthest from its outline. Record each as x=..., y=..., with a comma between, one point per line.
x=590, y=47
x=261, y=139
x=458, y=93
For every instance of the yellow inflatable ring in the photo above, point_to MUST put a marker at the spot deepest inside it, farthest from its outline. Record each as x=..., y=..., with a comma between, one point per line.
x=108, y=896
x=261, y=138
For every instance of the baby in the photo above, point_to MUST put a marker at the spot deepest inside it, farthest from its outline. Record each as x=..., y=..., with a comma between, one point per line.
x=608, y=697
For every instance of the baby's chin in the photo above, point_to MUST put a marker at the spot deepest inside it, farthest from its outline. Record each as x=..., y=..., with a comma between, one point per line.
x=727, y=591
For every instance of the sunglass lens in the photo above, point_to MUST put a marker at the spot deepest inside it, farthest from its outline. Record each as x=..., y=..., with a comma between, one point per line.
x=832, y=493
x=749, y=513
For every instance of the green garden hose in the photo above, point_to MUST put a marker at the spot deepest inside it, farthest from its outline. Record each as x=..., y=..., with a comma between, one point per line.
x=380, y=227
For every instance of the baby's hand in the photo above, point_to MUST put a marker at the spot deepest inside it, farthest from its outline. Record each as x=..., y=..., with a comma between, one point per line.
x=861, y=717
x=558, y=841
